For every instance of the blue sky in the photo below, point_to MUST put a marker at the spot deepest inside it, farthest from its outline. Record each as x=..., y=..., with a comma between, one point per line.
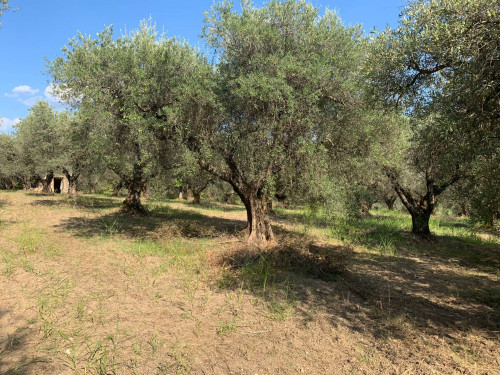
x=39, y=29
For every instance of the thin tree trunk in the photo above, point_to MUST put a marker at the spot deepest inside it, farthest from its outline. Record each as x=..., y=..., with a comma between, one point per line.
x=270, y=206
x=72, y=187
x=228, y=197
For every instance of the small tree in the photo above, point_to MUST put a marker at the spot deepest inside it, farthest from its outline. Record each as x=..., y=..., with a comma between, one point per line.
x=38, y=145
x=8, y=157
x=75, y=154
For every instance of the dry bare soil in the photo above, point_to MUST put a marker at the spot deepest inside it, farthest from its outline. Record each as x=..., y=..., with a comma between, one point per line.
x=87, y=290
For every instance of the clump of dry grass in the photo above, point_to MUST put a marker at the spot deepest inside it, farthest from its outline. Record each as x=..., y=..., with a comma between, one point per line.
x=184, y=228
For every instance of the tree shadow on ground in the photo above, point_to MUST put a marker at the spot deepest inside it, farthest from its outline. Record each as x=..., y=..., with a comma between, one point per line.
x=81, y=202
x=166, y=221
x=13, y=349
x=39, y=194
x=387, y=234
x=467, y=250
x=377, y=295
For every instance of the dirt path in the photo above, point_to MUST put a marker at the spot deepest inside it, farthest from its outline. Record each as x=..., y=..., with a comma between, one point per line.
x=79, y=294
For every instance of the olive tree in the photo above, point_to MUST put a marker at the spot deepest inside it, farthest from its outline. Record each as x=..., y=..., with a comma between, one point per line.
x=37, y=140
x=9, y=176
x=283, y=77
x=441, y=65
x=130, y=84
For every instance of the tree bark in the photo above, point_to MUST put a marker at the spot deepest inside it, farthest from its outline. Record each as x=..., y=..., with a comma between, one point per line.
x=72, y=187
x=420, y=207
x=26, y=183
x=135, y=186
x=72, y=180
x=196, y=197
x=389, y=201
x=13, y=184
x=196, y=192
x=420, y=223
x=46, y=188
x=117, y=189
x=260, y=232
x=133, y=202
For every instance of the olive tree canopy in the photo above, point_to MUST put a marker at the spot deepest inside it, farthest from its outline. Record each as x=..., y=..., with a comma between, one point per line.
x=285, y=76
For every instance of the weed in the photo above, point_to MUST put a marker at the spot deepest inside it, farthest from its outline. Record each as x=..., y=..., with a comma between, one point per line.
x=386, y=246
x=227, y=327
x=80, y=308
x=9, y=262
x=156, y=343
x=280, y=310
x=99, y=359
x=227, y=279
x=26, y=263
x=30, y=240
x=181, y=364
x=112, y=226
x=257, y=273
x=158, y=270
x=143, y=248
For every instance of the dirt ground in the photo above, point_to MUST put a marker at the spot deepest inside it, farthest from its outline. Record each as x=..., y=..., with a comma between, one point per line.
x=84, y=290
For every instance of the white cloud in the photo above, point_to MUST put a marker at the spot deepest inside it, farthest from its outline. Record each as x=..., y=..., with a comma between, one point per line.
x=22, y=90
x=26, y=94
x=7, y=123
x=25, y=89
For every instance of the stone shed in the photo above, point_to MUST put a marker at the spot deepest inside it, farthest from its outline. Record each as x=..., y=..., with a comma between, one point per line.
x=60, y=184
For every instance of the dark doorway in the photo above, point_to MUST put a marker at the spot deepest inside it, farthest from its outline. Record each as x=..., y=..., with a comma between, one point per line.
x=57, y=185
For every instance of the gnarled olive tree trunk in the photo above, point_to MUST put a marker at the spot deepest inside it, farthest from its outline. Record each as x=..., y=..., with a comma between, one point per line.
x=420, y=206
x=46, y=182
x=389, y=201
x=197, y=190
x=259, y=229
x=135, y=186
x=72, y=181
